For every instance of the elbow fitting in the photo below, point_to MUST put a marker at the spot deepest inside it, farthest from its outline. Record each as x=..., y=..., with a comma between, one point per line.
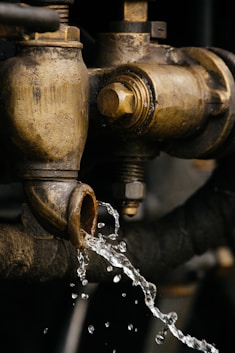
x=45, y=107
x=67, y=209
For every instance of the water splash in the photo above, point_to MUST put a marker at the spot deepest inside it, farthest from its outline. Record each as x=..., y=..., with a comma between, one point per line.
x=119, y=260
x=114, y=213
x=114, y=254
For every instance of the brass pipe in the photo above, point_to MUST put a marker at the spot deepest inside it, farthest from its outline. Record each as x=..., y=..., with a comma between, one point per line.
x=172, y=240
x=186, y=97
x=44, y=99
x=181, y=101
x=65, y=208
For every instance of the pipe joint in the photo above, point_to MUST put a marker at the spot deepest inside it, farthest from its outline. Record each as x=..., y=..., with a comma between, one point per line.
x=64, y=208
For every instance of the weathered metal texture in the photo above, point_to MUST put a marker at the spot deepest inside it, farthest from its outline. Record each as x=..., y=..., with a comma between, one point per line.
x=45, y=93
x=121, y=48
x=45, y=111
x=82, y=214
x=186, y=105
x=174, y=239
x=177, y=100
x=25, y=257
x=64, y=208
x=135, y=11
x=48, y=201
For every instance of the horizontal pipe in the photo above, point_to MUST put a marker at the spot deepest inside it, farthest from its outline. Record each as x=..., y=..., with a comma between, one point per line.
x=25, y=257
x=204, y=222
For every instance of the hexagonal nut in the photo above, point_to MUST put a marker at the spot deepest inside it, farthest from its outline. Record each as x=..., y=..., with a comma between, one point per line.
x=129, y=190
x=115, y=100
x=65, y=33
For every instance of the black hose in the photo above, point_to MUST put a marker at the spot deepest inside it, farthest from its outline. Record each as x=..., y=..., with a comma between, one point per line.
x=35, y=19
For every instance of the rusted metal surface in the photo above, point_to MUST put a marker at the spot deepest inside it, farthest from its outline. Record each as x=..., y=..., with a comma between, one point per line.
x=144, y=98
x=25, y=257
x=155, y=247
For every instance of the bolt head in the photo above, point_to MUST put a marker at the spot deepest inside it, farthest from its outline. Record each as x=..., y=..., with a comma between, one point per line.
x=115, y=100
x=129, y=190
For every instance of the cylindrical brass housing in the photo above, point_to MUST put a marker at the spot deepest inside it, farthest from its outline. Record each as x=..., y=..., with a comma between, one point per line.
x=45, y=95
x=190, y=100
x=121, y=48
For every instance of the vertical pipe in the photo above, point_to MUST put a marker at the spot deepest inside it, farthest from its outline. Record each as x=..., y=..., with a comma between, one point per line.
x=204, y=24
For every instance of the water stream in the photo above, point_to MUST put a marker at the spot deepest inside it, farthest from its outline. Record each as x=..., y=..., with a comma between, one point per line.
x=116, y=258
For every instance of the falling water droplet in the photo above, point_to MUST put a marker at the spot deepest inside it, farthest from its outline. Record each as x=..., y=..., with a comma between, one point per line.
x=74, y=296
x=45, y=330
x=91, y=329
x=84, y=296
x=84, y=282
x=109, y=268
x=130, y=327
x=117, y=278
x=159, y=339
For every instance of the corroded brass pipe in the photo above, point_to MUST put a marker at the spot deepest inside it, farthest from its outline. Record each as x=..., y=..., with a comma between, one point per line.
x=171, y=241
x=44, y=96
x=186, y=101
x=45, y=93
x=65, y=208
x=177, y=100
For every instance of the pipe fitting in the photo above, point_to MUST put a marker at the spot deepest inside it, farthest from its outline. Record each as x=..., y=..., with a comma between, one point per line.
x=63, y=208
x=44, y=94
x=180, y=101
x=82, y=214
x=115, y=100
x=187, y=104
x=44, y=97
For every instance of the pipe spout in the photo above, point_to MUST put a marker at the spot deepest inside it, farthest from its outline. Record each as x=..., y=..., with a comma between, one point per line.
x=174, y=239
x=63, y=208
